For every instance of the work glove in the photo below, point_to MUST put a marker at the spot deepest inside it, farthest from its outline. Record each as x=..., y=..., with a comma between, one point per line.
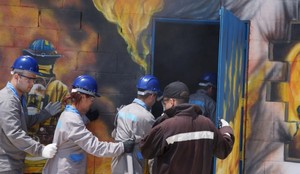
x=53, y=108
x=49, y=151
x=92, y=114
x=128, y=146
x=223, y=123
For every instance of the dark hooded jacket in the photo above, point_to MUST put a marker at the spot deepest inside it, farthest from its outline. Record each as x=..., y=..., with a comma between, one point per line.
x=185, y=142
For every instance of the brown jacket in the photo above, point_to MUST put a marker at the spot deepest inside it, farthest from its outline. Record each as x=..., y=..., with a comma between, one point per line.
x=186, y=142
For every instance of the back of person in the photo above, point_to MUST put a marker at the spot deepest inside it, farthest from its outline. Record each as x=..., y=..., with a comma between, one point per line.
x=205, y=96
x=205, y=102
x=134, y=121
x=141, y=121
x=185, y=141
x=190, y=154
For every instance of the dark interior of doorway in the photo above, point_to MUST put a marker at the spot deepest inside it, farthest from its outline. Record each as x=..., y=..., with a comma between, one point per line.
x=183, y=50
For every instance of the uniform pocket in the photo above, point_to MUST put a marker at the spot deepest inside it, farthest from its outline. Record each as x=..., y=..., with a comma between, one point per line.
x=76, y=157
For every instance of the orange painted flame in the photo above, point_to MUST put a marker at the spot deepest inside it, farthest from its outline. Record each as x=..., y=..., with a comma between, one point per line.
x=132, y=18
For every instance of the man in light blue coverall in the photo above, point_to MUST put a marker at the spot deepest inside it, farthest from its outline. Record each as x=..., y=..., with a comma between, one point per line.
x=134, y=121
x=14, y=121
x=205, y=95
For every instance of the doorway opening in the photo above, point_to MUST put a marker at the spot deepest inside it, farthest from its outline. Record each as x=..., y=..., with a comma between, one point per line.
x=183, y=50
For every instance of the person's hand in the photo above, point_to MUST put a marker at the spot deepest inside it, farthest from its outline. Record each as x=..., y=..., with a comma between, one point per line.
x=92, y=114
x=53, y=108
x=223, y=123
x=49, y=151
x=128, y=146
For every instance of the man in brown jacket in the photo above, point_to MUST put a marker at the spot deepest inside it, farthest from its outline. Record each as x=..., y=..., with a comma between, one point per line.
x=182, y=140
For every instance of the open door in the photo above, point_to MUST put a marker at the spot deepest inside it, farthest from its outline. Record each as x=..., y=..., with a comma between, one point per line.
x=232, y=70
x=183, y=49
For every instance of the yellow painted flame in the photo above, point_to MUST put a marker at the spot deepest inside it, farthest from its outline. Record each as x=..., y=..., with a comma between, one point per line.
x=132, y=18
x=294, y=90
x=231, y=163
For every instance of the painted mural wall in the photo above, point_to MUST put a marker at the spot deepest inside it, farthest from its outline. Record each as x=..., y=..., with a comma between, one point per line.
x=111, y=40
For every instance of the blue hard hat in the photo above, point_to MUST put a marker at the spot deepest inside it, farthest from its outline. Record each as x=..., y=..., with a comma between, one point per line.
x=26, y=63
x=148, y=84
x=85, y=84
x=208, y=78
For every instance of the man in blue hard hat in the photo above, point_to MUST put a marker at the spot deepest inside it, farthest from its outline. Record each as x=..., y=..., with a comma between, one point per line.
x=15, y=121
x=206, y=94
x=134, y=121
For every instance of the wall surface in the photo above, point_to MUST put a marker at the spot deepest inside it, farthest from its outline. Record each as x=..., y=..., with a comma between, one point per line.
x=111, y=40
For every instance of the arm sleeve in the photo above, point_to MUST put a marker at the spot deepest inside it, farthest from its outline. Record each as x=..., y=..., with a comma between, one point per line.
x=13, y=124
x=153, y=144
x=37, y=118
x=81, y=136
x=224, y=142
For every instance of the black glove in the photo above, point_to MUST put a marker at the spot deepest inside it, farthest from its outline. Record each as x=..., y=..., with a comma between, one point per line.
x=53, y=108
x=128, y=146
x=92, y=114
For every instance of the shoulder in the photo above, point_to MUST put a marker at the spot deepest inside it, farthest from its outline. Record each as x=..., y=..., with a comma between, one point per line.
x=5, y=91
x=134, y=108
x=7, y=96
x=67, y=116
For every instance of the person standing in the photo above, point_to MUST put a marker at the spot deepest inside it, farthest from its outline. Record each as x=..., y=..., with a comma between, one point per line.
x=74, y=139
x=134, y=121
x=205, y=96
x=185, y=141
x=15, y=121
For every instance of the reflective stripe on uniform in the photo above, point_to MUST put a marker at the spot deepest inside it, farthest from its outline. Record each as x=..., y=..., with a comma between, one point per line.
x=190, y=136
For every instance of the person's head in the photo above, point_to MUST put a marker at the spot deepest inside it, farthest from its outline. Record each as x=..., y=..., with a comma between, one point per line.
x=208, y=82
x=148, y=89
x=24, y=71
x=83, y=93
x=174, y=94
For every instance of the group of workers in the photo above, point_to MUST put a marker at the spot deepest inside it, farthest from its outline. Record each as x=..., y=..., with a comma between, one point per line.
x=184, y=139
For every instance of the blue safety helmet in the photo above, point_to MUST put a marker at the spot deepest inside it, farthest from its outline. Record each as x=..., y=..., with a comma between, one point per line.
x=208, y=78
x=26, y=63
x=85, y=84
x=148, y=84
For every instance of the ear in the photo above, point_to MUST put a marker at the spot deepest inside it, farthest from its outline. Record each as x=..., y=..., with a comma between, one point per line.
x=173, y=101
x=15, y=76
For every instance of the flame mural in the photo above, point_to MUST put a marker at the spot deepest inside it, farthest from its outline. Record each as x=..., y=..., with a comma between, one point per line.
x=76, y=37
x=291, y=92
x=132, y=18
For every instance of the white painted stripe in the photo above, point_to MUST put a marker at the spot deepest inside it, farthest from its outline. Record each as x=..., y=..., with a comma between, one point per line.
x=190, y=136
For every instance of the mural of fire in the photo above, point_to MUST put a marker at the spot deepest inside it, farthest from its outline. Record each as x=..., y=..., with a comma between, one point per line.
x=288, y=91
x=272, y=141
x=132, y=18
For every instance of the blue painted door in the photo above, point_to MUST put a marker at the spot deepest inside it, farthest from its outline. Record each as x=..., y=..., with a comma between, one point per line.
x=232, y=71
